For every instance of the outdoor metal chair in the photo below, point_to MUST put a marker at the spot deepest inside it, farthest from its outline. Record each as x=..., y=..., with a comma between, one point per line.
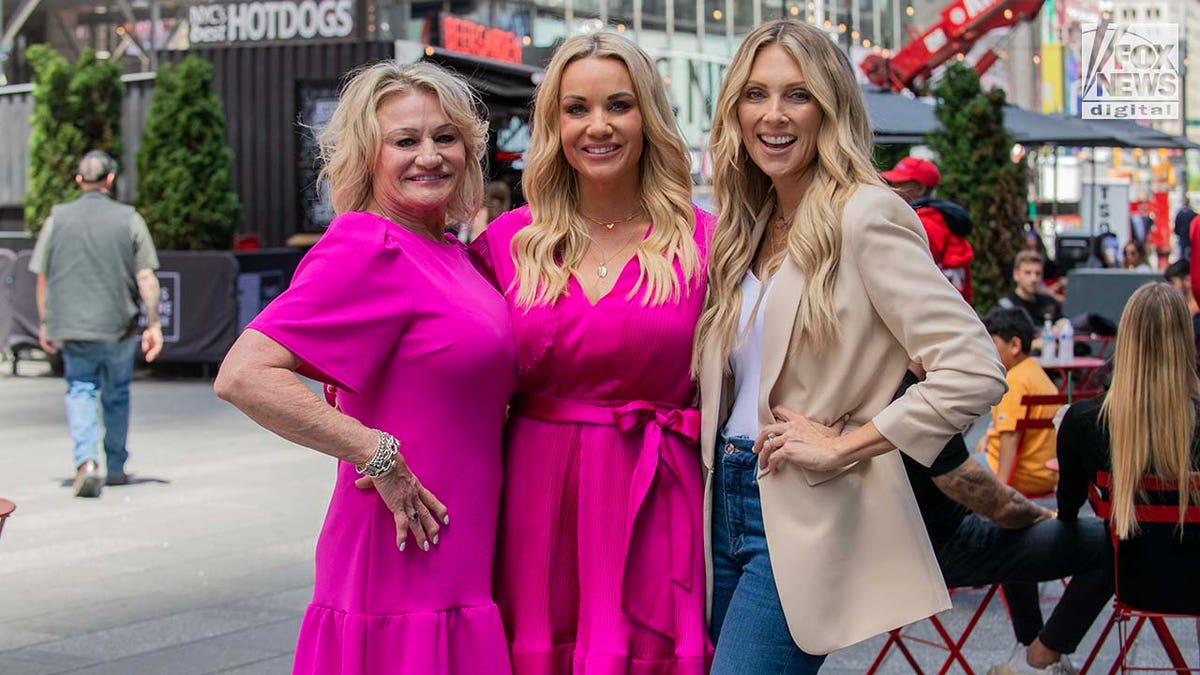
x=953, y=646
x=1130, y=620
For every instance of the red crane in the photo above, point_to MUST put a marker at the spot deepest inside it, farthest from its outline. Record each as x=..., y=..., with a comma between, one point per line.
x=963, y=23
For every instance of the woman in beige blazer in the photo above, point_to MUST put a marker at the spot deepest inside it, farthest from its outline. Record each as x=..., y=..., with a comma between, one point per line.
x=797, y=374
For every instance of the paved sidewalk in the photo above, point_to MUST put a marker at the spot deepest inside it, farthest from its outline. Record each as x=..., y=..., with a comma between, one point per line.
x=204, y=563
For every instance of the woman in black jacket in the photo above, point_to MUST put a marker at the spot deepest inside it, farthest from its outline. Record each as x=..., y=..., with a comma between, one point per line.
x=1145, y=426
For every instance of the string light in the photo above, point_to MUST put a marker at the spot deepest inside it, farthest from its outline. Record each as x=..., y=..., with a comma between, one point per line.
x=717, y=14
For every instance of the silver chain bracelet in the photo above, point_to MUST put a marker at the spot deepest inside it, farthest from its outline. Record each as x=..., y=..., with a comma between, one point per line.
x=384, y=459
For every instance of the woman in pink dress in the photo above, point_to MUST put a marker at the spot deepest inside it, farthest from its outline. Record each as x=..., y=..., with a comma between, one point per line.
x=600, y=567
x=406, y=335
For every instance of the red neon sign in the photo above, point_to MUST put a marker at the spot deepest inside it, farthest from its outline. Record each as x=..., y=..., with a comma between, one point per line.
x=468, y=37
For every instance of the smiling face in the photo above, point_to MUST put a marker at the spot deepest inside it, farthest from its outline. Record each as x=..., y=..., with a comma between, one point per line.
x=600, y=122
x=422, y=157
x=778, y=117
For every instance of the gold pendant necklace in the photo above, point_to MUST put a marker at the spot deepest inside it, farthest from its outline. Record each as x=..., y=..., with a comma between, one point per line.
x=602, y=268
x=610, y=225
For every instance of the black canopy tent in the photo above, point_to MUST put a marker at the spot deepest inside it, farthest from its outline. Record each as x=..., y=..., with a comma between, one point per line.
x=1130, y=134
x=896, y=118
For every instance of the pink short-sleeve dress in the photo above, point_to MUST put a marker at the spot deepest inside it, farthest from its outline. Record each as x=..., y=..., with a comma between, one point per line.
x=417, y=344
x=600, y=566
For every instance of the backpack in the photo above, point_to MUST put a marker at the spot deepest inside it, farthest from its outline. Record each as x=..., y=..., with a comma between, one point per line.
x=954, y=258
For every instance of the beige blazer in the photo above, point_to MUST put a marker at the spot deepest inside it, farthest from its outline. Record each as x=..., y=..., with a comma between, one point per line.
x=849, y=549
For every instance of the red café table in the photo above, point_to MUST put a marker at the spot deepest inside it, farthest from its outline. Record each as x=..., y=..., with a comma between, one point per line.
x=1079, y=366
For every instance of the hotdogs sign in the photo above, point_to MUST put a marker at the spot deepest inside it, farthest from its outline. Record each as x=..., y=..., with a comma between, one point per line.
x=273, y=20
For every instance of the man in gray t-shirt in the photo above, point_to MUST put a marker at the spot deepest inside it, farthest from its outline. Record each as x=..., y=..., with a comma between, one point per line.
x=94, y=260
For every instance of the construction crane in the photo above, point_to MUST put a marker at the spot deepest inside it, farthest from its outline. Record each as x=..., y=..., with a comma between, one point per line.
x=963, y=23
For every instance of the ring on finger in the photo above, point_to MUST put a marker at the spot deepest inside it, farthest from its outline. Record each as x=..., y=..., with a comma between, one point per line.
x=771, y=440
x=414, y=516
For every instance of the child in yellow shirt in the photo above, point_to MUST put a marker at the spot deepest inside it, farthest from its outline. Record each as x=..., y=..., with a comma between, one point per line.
x=1012, y=332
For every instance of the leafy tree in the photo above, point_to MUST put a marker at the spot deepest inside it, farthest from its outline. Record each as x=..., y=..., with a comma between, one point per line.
x=974, y=155
x=76, y=108
x=887, y=154
x=185, y=183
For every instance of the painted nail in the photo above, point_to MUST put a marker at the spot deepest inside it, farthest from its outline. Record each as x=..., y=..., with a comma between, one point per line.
x=426, y=547
x=435, y=538
x=446, y=519
x=401, y=547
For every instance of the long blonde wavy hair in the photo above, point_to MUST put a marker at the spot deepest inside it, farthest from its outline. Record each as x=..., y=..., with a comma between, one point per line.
x=1150, y=409
x=557, y=239
x=350, y=143
x=741, y=189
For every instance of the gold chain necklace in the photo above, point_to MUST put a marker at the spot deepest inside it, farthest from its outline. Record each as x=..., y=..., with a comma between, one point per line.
x=610, y=225
x=602, y=268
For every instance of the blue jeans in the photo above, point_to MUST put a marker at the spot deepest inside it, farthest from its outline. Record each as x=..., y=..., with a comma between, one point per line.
x=748, y=624
x=104, y=370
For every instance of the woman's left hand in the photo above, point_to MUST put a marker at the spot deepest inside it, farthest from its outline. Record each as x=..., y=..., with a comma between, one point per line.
x=800, y=440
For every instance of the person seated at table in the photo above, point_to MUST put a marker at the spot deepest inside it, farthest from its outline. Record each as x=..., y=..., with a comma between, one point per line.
x=1134, y=256
x=1179, y=275
x=984, y=532
x=1027, y=295
x=1148, y=424
x=1052, y=279
x=1012, y=333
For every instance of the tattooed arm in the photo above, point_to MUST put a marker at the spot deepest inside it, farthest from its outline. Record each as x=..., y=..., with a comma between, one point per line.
x=978, y=489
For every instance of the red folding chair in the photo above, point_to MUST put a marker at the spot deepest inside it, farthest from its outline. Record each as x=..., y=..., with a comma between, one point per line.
x=1123, y=614
x=1032, y=403
x=901, y=641
x=6, y=509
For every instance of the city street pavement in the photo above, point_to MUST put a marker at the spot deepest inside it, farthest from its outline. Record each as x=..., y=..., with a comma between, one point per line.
x=204, y=563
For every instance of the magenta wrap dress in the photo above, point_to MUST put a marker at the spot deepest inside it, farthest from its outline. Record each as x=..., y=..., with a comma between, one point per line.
x=600, y=566
x=417, y=344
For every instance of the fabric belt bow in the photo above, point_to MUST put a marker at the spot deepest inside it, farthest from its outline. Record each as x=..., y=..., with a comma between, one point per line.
x=660, y=526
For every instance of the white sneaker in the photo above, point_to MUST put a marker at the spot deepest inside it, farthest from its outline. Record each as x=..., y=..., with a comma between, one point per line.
x=1018, y=664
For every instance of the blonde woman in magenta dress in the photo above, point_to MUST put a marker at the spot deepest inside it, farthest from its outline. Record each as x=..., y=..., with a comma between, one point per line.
x=393, y=318
x=600, y=567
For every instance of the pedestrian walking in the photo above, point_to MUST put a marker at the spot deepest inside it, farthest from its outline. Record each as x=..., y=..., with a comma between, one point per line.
x=94, y=261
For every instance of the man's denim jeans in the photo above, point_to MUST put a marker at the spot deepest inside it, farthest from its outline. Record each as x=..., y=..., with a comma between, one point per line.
x=748, y=624
x=101, y=369
x=980, y=552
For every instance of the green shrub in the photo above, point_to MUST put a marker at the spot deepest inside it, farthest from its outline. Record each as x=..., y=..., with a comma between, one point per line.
x=974, y=155
x=76, y=108
x=886, y=155
x=185, y=183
